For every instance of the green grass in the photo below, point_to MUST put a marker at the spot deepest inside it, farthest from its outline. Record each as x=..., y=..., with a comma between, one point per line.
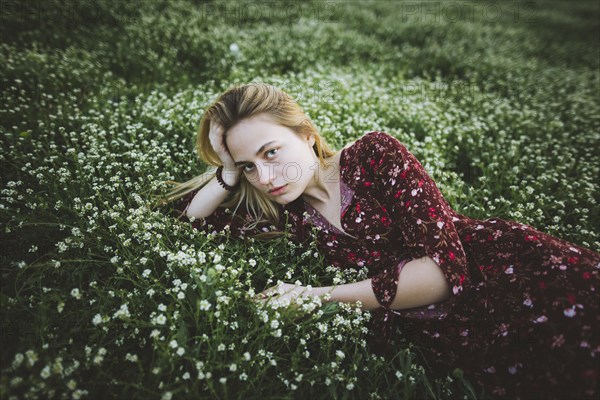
x=104, y=297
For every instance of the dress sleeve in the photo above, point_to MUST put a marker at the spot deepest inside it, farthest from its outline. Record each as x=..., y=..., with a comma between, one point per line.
x=418, y=207
x=222, y=219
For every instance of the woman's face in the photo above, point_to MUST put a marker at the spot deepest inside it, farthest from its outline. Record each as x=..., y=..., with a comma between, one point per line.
x=272, y=156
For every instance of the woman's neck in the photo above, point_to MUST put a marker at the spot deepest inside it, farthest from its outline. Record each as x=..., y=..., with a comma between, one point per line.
x=323, y=186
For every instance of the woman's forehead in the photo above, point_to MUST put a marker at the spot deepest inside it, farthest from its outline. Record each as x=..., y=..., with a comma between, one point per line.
x=257, y=129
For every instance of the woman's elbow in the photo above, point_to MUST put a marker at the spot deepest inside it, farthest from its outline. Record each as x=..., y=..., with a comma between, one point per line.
x=421, y=283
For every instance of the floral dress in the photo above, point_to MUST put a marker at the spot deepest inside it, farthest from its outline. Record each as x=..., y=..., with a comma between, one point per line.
x=522, y=319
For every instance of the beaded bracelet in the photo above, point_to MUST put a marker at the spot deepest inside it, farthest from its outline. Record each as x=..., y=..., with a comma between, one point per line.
x=226, y=186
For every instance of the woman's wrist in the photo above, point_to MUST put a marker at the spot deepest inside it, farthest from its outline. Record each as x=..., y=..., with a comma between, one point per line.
x=230, y=176
x=324, y=292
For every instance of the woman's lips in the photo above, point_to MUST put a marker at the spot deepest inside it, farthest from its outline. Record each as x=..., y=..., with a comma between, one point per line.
x=278, y=190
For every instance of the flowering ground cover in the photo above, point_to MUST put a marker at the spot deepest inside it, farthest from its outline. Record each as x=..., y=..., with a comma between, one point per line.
x=104, y=295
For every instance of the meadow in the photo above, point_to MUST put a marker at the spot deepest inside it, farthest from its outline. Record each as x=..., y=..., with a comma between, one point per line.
x=105, y=296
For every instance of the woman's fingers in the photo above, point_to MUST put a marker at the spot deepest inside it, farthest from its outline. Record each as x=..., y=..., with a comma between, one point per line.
x=217, y=141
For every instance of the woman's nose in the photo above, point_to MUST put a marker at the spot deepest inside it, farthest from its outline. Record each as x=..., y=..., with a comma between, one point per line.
x=265, y=174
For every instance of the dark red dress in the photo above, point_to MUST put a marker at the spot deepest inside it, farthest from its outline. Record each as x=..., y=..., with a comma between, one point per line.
x=522, y=320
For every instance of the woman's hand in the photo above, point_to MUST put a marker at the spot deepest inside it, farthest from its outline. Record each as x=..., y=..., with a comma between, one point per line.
x=217, y=141
x=287, y=291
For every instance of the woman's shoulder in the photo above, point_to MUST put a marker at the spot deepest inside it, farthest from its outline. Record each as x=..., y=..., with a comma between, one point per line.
x=371, y=143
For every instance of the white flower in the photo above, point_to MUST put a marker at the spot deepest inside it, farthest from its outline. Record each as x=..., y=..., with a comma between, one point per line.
x=161, y=319
x=247, y=356
x=146, y=273
x=45, y=372
x=233, y=367
x=173, y=343
x=18, y=360
x=122, y=312
x=15, y=381
x=252, y=262
x=75, y=293
x=97, y=319
x=340, y=354
x=180, y=351
x=32, y=357
x=204, y=305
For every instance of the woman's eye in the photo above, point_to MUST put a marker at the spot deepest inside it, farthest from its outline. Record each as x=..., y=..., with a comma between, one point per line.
x=250, y=167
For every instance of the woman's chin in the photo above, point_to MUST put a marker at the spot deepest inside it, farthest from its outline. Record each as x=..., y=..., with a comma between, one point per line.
x=284, y=198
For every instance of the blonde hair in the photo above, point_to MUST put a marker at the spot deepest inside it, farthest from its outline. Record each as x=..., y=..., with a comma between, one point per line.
x=234, y=105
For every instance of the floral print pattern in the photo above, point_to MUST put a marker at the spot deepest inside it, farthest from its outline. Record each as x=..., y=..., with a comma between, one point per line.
x=522, y=319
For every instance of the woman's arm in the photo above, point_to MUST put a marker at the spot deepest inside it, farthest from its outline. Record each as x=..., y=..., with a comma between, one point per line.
x=210, y=196
x=421, y=283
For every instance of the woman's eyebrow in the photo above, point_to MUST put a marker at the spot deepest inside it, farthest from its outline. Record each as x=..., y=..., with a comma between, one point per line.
x=257, y=153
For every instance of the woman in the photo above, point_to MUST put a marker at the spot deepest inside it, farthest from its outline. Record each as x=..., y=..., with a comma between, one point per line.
x=514, y=308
